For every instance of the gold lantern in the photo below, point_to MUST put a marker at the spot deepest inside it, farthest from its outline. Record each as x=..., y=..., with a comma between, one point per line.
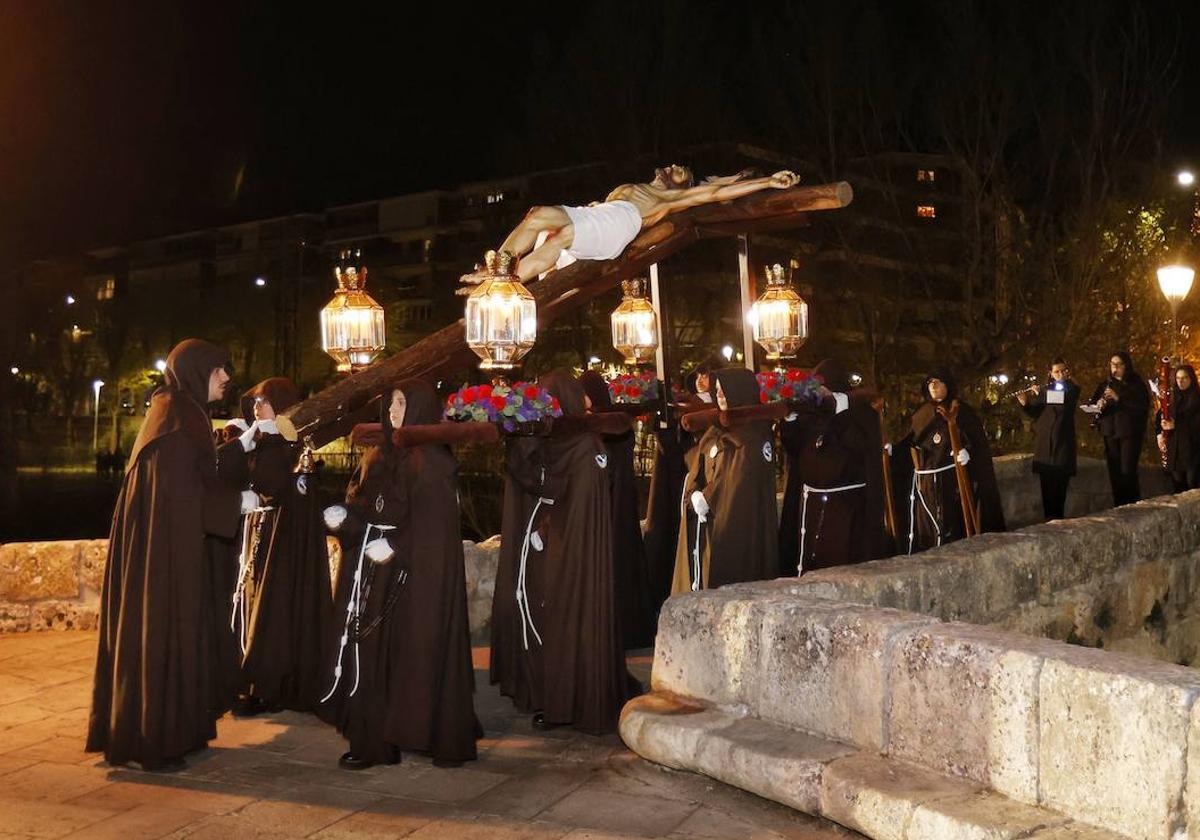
x=501, y=315
x=352, y=325
x=779, y=318
x=635, y=324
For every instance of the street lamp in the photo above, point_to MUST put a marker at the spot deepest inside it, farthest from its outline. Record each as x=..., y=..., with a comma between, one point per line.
x=1175, y=282
x=161, y=365
x=96, y=386
x=727, y=352
x=1185, y=178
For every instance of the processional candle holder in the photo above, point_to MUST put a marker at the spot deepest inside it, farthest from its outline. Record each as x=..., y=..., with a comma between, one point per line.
x=500, y=317
x=635, y=324
x=779, y=318
x=353, y=332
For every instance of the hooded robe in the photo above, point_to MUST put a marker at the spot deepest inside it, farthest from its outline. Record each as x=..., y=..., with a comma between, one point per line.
x=1182, y=460
x=843, y=522
x=631, y=581
x=735, y=471
x=288, y=600
x=558, y=647
x=937, y=509
x=414, y=682
x=152, y=695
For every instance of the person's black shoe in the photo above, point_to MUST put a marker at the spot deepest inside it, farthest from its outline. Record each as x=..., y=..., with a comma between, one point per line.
x=249, y=706
x=540, y=723
x=349, y=761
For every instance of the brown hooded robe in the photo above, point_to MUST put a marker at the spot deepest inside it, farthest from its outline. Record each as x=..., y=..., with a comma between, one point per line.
x=576, y=673
x=154, y=668
x=631, y=581
x=735, y=470
x=415, y=678
x=288, y=599
x=937, y=509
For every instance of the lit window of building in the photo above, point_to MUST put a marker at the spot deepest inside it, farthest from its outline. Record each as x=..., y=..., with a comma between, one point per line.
x=926, y=176
x=926, y=211
x=107, y=289
x=495, y=198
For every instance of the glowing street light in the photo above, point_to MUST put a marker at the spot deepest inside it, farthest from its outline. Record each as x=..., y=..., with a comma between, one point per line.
x=161, y=365
x=70, y=299
x=1185, y=178
x=96, y=386
x=15, y=370
x=1175, y=282
x=260, y=281
x=727, y=352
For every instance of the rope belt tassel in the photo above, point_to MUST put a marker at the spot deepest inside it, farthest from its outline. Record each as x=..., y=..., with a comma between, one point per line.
x=522, y=594
x=824, y=491
x=915, y=494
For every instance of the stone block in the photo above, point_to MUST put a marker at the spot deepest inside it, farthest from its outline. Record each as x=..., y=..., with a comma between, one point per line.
x=93, y=558
x=481, y=565
x=1076, y=551
x=1192, y=791
x=65, y=615
x=1076, y=831
x=708, y=646
x=879, y=797
x=981, y=578
x=1154, y=526
x=978, y=816
x=667, y=730
x=14, y=618
x=1113, y=740
x=39, y=570
x=963, y=700
x=823, y=668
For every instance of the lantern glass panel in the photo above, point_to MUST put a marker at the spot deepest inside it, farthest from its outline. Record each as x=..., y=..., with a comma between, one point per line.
x=779, y=320
x=500, y=322
x=353, y=330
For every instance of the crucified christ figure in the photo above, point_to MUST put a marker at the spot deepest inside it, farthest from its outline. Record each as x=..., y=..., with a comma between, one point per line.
x=601, y=231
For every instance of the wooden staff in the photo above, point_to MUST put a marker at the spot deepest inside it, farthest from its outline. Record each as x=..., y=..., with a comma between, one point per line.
x=965, y=494
x=889, y=503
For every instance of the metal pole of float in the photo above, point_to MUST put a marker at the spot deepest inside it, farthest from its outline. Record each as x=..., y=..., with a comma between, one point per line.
x=661, y=354
x=749, y=295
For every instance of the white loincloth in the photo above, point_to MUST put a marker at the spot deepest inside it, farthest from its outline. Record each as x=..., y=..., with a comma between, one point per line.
x=602, y=231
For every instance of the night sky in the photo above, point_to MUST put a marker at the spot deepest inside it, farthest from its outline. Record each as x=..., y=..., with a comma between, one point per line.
x=127, y=120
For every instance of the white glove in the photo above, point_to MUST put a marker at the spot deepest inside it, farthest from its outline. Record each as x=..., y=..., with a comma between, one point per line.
x=791, y=417
x=379, y=550
x=334, y=516
x=964, y=457
x=237, y=423
x=267, y=427
x=887, y=447
x=247, y=437
x=700, y=505
x=250, y=500
x=840, y=401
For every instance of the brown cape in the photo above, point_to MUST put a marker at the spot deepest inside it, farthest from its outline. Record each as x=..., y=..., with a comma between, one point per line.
x=631, y=581
x=154, y=668
x=576, y=674
x=735, y=470
x=415, y=678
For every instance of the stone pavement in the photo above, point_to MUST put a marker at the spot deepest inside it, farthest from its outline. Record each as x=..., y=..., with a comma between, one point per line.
x=276, y=777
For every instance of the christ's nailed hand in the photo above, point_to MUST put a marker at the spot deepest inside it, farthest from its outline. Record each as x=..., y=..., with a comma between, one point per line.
x=783, y=180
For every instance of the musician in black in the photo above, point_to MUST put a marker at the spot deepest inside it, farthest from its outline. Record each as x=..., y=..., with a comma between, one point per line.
x=1181, y=433
x=1053, y=408
x=1124, y=403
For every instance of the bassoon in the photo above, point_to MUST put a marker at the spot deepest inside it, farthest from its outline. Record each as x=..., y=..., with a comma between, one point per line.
x=1163, y=396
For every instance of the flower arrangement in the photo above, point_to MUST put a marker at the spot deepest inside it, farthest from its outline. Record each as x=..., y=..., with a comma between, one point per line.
x=633, y=387
x=508, y=405
x=790, y=384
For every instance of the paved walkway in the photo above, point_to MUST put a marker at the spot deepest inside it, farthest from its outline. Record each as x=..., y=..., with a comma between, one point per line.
x=276, y=777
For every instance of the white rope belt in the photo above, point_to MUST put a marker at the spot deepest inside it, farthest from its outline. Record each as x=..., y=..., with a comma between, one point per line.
x=522, y=593
x=354, y=608
x=914, y=494
x=239, y=620
x=824, y=491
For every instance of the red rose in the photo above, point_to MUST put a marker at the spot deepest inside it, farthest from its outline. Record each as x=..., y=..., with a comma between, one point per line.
x=762, y=397
x=469, y=394
x=786, y=392
x=498, y=403
x=618, y=388
x=530, y=392
x=554, y=404
x=794, y=375
x=634, y=391
x=485, y=391
x=803, y=375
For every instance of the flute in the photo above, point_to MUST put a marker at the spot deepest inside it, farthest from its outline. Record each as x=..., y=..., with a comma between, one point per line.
x=1020, y=391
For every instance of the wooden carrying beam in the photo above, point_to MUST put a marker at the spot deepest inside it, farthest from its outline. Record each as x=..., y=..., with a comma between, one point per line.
x=324, y=416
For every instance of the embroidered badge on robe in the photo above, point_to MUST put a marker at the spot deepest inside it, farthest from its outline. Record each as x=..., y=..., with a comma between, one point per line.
x=379, y=503
x=937, y=437
x=768, y=452
x=712, y=453
x=302, y=485
x=602, y=460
